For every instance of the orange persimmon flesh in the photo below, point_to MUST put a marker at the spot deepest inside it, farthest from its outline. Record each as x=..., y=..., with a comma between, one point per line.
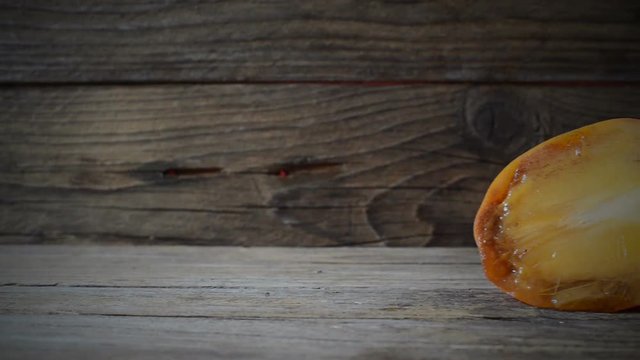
x=559, y=227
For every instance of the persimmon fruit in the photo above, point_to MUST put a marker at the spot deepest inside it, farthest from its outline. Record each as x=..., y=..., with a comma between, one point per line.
x=559, y=227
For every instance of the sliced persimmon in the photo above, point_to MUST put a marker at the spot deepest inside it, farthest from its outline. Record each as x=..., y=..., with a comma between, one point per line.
x=559, y=227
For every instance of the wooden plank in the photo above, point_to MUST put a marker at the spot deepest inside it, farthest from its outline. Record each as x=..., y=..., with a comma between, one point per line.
x=334, y=40
x=270, y=164
x=281, y=303
x=230, y=267
x=435, y=283
x=80, y=337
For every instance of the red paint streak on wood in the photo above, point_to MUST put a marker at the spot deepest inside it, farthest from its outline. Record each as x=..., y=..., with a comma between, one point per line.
x=176, y=172
x=363, y=83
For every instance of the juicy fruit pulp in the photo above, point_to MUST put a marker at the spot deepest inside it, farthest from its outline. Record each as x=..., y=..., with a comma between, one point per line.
x=560, y=225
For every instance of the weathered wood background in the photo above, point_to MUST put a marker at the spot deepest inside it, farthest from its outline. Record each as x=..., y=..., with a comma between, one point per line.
x=290, y=122
x=275, y=40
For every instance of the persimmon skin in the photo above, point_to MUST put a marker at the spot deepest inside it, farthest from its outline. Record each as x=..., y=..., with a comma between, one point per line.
x=504, y=245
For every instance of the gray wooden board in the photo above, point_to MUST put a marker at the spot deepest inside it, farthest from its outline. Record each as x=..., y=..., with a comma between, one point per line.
x=66, y=302
x=270, y=164
x=251, y=40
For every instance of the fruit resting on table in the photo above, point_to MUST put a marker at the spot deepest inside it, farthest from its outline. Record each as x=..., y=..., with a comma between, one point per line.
x=559, y=227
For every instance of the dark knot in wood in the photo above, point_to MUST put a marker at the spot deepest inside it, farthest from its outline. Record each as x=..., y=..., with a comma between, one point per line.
x=504, y=122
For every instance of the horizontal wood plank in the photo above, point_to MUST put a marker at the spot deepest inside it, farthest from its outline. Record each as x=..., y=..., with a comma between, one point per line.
x=231, y=267
x=281, y=303
x=334, y=40
x=105, y=337
x=270, y=164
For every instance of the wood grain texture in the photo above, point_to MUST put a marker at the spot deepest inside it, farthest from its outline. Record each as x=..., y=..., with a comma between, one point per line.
x=270, y=164
x=281, y=303
x=334, y=40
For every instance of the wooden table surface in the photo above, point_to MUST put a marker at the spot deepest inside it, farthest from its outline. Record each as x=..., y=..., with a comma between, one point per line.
x=65, y=302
